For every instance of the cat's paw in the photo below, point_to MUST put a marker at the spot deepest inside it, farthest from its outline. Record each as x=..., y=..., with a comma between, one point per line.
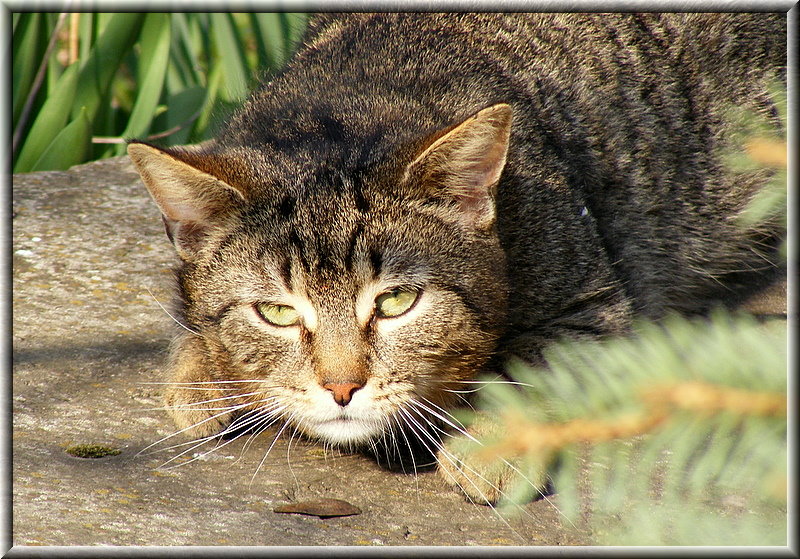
x=481, y=476
x=196, y=403
x=480, y=482
x=194, y=411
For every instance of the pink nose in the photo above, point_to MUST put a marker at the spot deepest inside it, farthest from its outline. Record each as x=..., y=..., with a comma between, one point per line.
x=342, y=392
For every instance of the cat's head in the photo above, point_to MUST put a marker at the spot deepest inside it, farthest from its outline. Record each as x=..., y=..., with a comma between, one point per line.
x=356, y=298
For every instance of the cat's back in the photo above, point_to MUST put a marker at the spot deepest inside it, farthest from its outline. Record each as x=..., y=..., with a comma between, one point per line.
x=618, y=128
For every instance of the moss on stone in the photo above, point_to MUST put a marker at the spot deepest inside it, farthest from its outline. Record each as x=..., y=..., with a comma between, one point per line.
x=92, y=451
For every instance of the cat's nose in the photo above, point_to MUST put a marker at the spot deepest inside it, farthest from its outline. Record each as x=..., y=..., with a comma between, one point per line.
x=342, y=391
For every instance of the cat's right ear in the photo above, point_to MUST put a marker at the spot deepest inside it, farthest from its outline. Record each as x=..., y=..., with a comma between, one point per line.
x=191, y=200
x=463, y=164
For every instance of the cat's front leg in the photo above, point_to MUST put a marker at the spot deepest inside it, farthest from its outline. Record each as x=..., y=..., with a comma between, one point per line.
x=193, y=399
x=466, y=464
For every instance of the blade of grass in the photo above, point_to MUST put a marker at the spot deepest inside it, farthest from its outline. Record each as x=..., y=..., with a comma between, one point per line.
x=37, y=82
x=54, y=67
x=185, y=67
x=183, y=110
x=271, y=39
x=69, y=147
x=86, y=37
x=50, y=120
x=116, y=39
x=204, y=122
x=153, y=61
x=229, y=51
x=294, y=25
x=27, y=47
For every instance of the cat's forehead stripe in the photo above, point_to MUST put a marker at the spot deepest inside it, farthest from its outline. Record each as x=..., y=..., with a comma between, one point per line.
x=286, y=206
x=376, y=260
x=285, y=272
x=351, y=246
x=361, y=202
x=300, y=247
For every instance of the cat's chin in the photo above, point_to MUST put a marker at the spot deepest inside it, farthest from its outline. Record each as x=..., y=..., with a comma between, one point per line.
x=344, y=431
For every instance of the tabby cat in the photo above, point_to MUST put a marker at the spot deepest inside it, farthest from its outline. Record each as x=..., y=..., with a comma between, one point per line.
x=416, y=198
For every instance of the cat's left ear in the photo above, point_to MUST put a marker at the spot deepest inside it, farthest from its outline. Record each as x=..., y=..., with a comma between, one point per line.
x=192, y=201
x=464, y=163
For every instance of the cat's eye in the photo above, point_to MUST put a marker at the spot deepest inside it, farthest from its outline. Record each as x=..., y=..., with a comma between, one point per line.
x=395, y=302
x=278, y=315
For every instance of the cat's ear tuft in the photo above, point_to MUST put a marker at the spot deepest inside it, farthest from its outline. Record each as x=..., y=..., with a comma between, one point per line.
x=464, y=164
x=191, y=200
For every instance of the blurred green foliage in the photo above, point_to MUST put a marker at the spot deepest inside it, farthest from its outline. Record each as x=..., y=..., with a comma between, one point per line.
x=83, y=82
x=676, y=434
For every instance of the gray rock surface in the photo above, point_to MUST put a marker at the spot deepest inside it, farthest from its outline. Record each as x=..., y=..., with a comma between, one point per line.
x=90, y=263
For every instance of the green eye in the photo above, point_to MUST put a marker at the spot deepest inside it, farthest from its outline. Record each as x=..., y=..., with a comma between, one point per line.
x=278, y=315
x=395, y=302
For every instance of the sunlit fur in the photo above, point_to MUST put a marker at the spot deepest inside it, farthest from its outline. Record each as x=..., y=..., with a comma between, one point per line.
x=533, y=176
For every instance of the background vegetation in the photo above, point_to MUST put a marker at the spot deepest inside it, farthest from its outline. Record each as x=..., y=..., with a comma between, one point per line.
x=84, y=81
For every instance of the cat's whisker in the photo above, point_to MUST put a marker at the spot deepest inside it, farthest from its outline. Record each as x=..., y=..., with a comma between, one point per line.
x=423, y=433
x=427, y=420
x=227, y=429
x=270, y=418
x=511, y=466
x=193, y=426
x=466, y=402
x=271, y=446
x=288, y=457
x=197, y=443
x=473, y=391
x=191, y=405
x=459, y=465
x=200, y=404
x=252, y=417
x=392, y=433
x=207, y=388
x=410, y=453
x=178, y=322
x=484, y=382
x=506, y=462
x=454, y=423
x=539, y=490
x=206, y=383
x=240, y=423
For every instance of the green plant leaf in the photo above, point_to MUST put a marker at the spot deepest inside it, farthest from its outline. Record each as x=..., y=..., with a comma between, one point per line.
x=153, y=61
x=185, y=67
x=181, y=108
x=271, y=39
x=294, y=25
x=50, y=120
x=29, y=44
x=118, y=35
x=86, y=36
x=231, y=57
x=205, y=121
x=69, y=147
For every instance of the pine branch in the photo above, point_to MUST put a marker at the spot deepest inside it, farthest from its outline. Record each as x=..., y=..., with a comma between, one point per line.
x=695, y=409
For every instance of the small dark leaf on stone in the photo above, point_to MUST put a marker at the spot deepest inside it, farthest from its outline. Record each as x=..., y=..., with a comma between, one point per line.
x=324, y=508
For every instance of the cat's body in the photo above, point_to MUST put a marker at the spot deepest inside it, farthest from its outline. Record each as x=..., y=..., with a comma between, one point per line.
x=417, y=197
